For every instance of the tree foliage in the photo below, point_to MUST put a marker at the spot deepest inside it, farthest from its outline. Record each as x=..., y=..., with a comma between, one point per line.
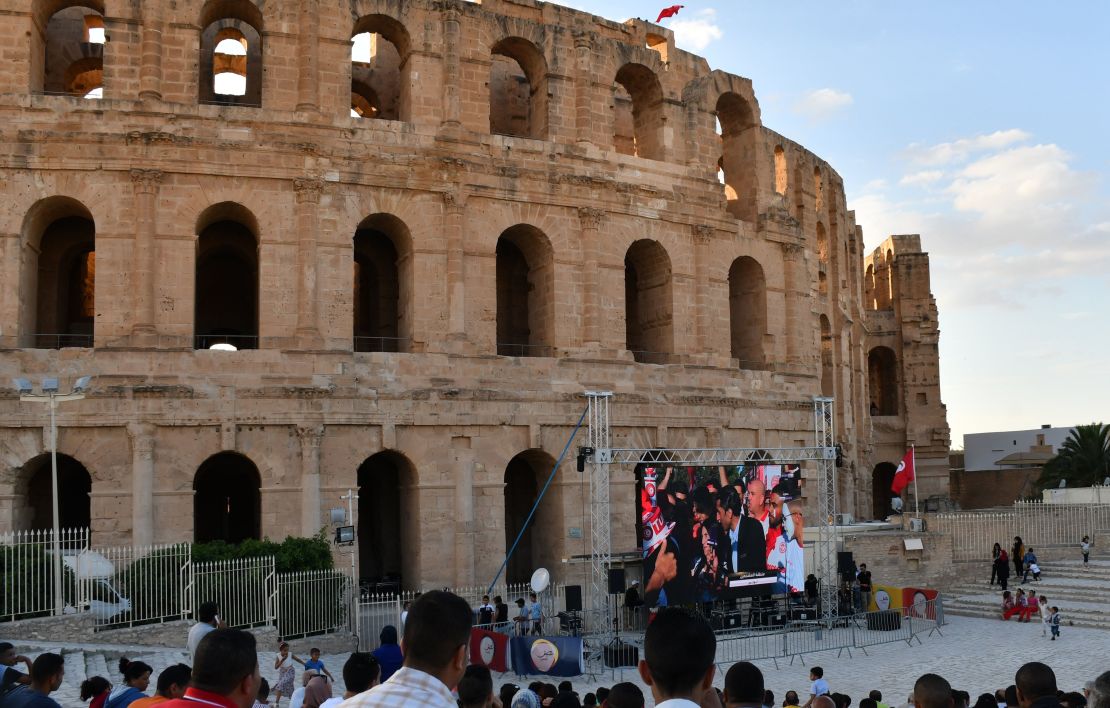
x=291, y=555
x=1083, y=459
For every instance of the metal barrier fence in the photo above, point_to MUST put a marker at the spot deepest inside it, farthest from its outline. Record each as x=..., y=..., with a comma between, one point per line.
x=974, y=533
x=27, y=572
x=859, y=631
x=313, y=602
x=241, y=588
x=134, y=585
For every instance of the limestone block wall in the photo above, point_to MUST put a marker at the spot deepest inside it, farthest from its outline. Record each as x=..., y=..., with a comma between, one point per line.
x=754, y=295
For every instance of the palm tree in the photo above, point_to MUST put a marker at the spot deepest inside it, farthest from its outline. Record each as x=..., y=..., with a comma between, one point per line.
x=1083, y=459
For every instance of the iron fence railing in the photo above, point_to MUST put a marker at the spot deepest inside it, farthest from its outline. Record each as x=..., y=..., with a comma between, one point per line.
x=974, y=533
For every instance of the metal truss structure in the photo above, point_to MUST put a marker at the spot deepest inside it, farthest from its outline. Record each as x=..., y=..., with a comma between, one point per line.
x=601, y=456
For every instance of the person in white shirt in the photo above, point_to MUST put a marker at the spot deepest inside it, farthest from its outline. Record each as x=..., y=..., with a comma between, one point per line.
x=679, y=649
x=208, y=618
x=437, y=633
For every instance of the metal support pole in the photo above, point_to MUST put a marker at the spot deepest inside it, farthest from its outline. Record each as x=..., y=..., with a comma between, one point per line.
x=59, y=601
x=825, y=555
x=601, y=551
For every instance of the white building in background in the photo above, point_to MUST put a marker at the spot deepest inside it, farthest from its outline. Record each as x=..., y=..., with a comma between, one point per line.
x=1012, y=448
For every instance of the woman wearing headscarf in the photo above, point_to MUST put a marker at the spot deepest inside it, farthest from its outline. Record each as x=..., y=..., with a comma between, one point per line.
x=316, y=691
x=389, y=653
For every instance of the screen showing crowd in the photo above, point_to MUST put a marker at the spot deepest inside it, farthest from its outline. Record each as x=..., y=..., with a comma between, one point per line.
x=716, y=532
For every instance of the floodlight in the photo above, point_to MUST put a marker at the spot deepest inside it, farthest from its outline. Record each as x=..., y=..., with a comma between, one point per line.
x=345, y=534
x=50, y=385
x=82, y=384
x=23, y=386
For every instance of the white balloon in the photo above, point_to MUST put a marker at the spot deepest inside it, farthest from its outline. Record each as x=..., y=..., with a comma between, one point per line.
x=540, y=580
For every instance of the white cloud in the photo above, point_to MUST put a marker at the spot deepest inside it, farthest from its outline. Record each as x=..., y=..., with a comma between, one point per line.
x=1018, y=185
x=960, y=150
x=823, y=103
x=698, y=32
x=923, y=178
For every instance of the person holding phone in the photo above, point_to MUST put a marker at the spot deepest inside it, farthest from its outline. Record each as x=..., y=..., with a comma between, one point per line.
x=208, y=619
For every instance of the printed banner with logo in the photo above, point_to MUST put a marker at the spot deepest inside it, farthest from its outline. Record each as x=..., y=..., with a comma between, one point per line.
x=490, y=649
x=918, y=602
x=547, y=656
x=885, y=597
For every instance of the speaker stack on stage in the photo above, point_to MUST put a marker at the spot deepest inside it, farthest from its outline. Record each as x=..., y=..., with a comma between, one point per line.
x=574, y=598
x=618, y=654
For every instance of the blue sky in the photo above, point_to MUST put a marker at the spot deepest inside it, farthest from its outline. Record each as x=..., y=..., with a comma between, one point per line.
x=983, y=127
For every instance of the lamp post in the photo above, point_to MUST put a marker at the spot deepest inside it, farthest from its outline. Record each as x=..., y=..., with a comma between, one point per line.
x=51, y=396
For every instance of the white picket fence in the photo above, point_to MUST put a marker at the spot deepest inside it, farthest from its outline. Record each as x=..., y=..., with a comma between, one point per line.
x=27, y=571
x=314, y=602
x=974, y=533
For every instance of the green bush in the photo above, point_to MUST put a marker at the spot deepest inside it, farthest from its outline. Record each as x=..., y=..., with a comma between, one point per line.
x=291, y=555
x=149, y=584
x=27, y=582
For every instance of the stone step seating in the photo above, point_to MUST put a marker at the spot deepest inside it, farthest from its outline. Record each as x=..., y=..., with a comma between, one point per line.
x=1082, y=595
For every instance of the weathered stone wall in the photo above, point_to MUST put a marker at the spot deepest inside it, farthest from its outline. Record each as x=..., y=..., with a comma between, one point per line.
x=890, y=563
x=152, y=168
x=79, y=629
x=983, y=489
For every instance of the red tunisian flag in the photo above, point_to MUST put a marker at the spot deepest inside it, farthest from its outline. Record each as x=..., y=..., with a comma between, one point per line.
x=489, y=649
x=904, y=475
x=669, y=12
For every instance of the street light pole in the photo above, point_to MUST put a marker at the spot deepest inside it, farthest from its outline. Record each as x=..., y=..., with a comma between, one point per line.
x=51, y=397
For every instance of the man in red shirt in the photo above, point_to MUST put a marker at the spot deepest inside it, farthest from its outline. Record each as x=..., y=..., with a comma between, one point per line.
x=225, y=672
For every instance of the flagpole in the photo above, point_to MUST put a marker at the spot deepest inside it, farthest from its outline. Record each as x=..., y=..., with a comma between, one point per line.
x=913, y=462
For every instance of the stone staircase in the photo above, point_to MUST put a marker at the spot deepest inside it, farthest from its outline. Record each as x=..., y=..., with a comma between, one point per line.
x=1083, y=596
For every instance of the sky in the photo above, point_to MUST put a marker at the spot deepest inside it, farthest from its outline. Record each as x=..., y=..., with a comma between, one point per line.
x=982, y=126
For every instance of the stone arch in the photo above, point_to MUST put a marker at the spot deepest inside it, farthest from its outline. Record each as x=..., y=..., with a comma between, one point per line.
x=227, y=278
x=882, y=379
x=380, y=53
x=525, y=476
x=525, y=292
x=34, y=486
x=518, y=89
x=241, y=21
x=227, y=499
x=827, y=380
x=738, y=144
x=747, y=301
x=781, y=171
x=869, y=287
x=383, y=285
x=882, y=477
x=387, y=520
x=818, y=189
x=84, y=76
x=648, y=302
x=58, y=274
x=638, y=112
x=60, y=39
x=822, y=245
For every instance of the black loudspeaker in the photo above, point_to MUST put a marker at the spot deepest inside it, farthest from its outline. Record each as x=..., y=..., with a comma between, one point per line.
x=618, y=654
x=616, y=581
x=845, y=563
x=574, y=598
x=887, y=621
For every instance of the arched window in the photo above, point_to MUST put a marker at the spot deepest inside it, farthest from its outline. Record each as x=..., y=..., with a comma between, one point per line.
x=737, y=121
x=524, y=478
x=747, y=305
x=649, y=308
x=59, y=267
x=780, y=171
x=380, y=69
x=383, y=285
x=882, y=379
x=525, y=293
x=35, y=487
x=638, y=112
x=869, y=287
x=827, y=383
x=226, y=305
x=227, y=499
x=231, y=53
x=518, y=89
x=389, y=537
x=67, y=48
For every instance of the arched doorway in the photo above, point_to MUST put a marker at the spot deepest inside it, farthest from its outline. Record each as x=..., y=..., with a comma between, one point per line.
x=383, y=299
x=227, y=277
x=881, y=479
x=649, y=310
x=525, y=476
x=525, y=292
x=74, y=486
x=385, y=552
x=882, y=380
x=227, y=499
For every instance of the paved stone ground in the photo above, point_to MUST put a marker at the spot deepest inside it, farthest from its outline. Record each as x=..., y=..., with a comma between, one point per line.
x=975, y=655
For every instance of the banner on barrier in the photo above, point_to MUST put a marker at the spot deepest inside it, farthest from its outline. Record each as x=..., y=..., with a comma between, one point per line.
x=490, y=649
x=547, y=656
x=885, y=597
x=918, y=602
